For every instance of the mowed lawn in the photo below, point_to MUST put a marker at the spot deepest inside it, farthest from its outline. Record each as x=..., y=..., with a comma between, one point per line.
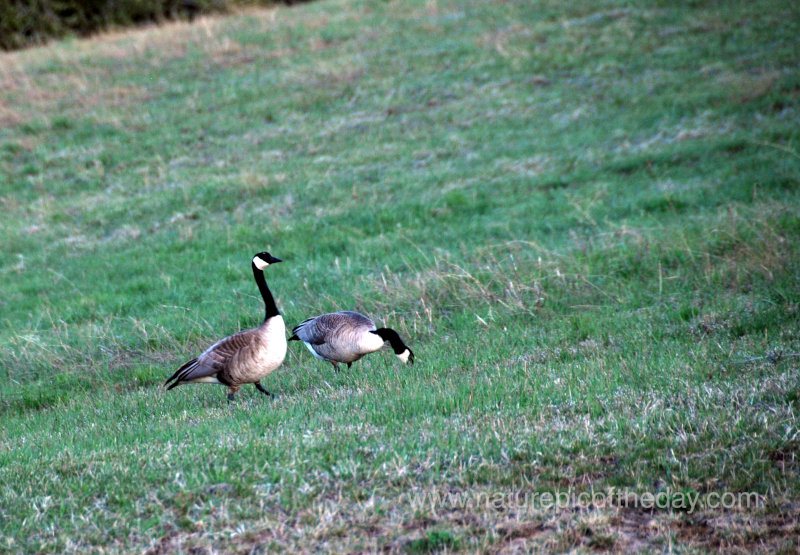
x=584, y=217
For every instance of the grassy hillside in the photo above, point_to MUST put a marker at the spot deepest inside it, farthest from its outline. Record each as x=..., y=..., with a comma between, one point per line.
x=583, y=217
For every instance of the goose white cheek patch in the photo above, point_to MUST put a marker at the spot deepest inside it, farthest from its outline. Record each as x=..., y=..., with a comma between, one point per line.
x=404, y=355
x=260, y=264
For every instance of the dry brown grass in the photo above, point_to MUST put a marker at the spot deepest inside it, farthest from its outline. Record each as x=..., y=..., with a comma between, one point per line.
x=73, y=75
x=354, y=528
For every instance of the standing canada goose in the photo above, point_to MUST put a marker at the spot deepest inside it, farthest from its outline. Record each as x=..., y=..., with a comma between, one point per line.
x=244, y=357
x=346, y=337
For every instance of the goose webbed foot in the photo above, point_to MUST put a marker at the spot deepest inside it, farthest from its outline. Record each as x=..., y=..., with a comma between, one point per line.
x=263, y=390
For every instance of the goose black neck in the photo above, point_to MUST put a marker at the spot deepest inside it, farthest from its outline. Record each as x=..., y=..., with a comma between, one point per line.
x=388, y=334
x=266, y=294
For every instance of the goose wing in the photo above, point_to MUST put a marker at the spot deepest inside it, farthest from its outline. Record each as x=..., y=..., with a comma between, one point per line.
x=314, y=330
x=214, y=360
x=321, y=329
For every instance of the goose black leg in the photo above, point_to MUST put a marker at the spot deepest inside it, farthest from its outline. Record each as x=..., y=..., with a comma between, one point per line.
x=335, y=366
x=230, y=398
x=263, y=390
x=349, y=364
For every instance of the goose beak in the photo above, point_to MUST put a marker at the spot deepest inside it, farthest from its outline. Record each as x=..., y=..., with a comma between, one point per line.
x=274, y=260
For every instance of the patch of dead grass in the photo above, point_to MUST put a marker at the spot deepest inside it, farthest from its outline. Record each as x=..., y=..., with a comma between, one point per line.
x=26, y=99
x=353, y=527
x=58, y=75
x=511, y=41
x=749, y=86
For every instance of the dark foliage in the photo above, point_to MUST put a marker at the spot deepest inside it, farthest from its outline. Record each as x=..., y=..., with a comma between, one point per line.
x=30, y=22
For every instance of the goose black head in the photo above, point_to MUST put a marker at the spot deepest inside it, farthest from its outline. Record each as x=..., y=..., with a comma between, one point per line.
x=264, y=259
x=401, y=351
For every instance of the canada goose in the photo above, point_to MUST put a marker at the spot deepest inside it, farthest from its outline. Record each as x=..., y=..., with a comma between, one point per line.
x=244, y=357
x=346, y=337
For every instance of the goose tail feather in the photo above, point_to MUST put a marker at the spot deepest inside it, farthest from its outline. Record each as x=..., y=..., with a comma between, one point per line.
x=179, y=373
x=300, y=326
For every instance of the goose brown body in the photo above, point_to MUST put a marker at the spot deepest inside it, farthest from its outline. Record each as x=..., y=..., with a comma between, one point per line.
x=346, y=337
x=246, y=356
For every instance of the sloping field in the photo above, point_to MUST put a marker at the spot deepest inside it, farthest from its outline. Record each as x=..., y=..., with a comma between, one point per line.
x=584, y=217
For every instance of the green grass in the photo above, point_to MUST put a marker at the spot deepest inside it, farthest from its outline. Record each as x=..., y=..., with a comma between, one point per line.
x=583, y=217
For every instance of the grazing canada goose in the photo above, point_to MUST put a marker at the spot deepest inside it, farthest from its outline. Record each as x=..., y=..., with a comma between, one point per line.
x=244, y=357
x=346, y=337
